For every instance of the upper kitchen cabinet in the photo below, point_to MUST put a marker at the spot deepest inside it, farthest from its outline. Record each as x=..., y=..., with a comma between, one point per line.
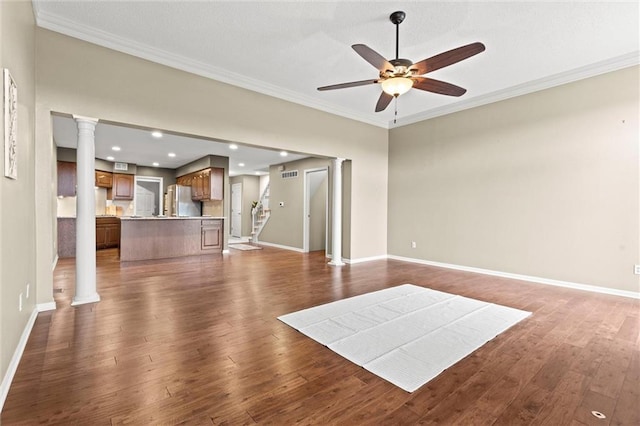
x=67, y=179
x=186, y=180
x=104, y=179
x=205, y=184
x=216, y=184
x=198, y=186
x=122, y=187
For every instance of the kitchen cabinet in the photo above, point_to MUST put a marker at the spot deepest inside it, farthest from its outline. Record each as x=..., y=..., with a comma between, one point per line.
x=146, y=238
x=67, y=179
x=211, y=234
x=185, y=180
x=107, y=232
x=205, y=184
x=216, y=184
x=198, y=186
x=104, y=179
x=123, y=187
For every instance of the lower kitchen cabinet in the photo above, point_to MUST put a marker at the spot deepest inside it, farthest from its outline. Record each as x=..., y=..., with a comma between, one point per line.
x=107, y=232
x=146, y=238
x=211, y=234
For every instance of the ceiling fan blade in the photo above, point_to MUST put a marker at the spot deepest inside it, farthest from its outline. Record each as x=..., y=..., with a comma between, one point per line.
x=437, y=86
x=373, y=57
x=448, y=58
x=350, y=84
x=383, y=101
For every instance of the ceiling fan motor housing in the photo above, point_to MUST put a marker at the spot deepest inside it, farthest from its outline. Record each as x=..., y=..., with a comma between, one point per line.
x=401, y=68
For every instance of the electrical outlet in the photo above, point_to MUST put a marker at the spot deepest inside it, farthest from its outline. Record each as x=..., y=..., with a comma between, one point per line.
x=414, y=244
x=27, y=292
x=20, y=303
x=636, y=270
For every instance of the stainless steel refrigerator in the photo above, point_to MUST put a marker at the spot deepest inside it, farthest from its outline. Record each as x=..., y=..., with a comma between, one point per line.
x=179, y=202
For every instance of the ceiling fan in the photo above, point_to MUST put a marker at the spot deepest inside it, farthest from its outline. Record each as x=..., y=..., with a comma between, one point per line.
x=398, y=76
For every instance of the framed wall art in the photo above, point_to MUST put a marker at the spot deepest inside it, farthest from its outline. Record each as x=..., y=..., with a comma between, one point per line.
x=10, y=98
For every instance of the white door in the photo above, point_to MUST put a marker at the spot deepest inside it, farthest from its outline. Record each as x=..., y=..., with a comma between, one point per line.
x=236, y=210
x=145, y=201
x=316, y=193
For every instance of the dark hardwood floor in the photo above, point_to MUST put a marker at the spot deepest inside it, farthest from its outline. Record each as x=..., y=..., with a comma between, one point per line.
x=196, y=341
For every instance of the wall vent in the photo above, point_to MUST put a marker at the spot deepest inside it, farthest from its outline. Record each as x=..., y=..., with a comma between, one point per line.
x=120, y=166
x=289, y=174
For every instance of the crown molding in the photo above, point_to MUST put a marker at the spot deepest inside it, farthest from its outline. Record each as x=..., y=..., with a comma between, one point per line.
x=592, y=70
x=111, y=41
x=105, y=39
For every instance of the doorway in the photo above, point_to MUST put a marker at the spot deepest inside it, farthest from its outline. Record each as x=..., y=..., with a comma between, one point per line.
x=148, y=200
x=236, y=210
x=316, y=216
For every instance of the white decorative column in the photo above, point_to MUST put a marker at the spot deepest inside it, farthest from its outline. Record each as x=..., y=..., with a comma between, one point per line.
x=85, y=213
x=336, y=238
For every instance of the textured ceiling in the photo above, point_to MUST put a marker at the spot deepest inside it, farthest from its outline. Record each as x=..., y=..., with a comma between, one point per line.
x=288, y=49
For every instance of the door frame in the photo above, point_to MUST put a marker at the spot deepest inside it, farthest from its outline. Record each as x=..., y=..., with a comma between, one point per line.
x=231, y=211
x=156, y=179
x=306, y=204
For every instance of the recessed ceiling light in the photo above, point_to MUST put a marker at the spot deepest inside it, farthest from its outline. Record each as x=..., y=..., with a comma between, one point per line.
x=171, y=154
x=241, y=164
x=110, y=158
x=258, y=173
x=283, y=153
x=156, y=134
x=233, y=146
x=115, y=148
x=156, y=164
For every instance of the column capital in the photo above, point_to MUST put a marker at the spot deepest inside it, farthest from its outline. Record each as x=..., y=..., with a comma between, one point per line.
x=83, y=119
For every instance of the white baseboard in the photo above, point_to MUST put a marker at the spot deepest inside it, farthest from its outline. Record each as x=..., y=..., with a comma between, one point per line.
x=15, y=359
x=43, y=307
x=225, y=251
x=539, y=280
x=365, y=259
x=299, y=250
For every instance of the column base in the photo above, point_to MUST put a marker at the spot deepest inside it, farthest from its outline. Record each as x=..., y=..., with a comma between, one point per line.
x=338, y=263
x=83, y=301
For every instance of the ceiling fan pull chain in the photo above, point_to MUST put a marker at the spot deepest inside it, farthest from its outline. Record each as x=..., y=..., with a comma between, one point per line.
x=395, y=115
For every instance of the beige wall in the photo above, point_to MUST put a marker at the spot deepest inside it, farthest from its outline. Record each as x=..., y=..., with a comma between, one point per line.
x=75, y=77
x=17, y=212
x=544, y=185
x=285, y=225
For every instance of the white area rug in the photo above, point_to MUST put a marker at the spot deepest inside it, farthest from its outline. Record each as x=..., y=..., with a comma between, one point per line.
x=244, y=247
x=406, y=334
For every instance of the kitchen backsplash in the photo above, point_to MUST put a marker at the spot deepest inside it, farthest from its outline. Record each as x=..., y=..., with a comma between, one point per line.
x=67, y=205
x=212, y=208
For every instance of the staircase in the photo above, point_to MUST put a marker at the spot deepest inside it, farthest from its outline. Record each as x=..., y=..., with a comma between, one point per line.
x=260, y=215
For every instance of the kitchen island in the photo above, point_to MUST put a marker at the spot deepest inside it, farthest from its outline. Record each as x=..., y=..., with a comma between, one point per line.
x=146, y=238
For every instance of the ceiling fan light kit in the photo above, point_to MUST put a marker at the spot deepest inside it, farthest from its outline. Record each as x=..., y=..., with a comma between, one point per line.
x=398, y=76
x=396, y=86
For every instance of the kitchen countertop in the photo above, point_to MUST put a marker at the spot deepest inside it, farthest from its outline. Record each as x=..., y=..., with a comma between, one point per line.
x=150, y=217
